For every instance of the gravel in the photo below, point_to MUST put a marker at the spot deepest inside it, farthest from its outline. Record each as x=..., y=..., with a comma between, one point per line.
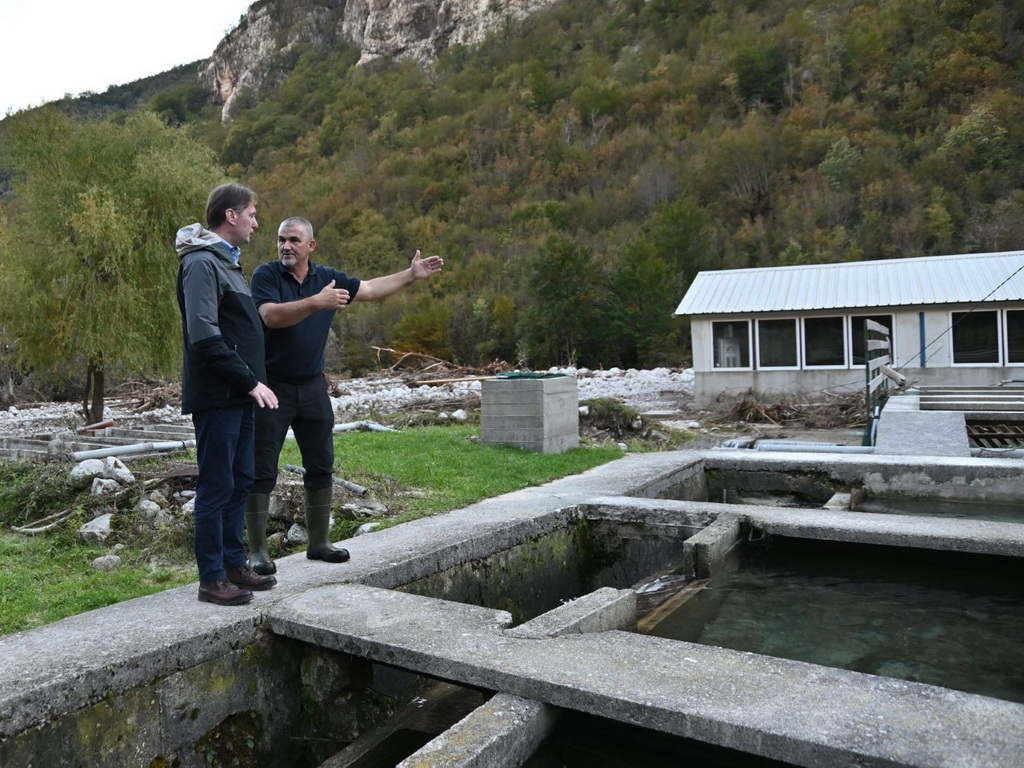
x=658, y=390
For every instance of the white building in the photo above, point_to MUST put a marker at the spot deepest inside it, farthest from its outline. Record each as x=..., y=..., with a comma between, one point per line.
x=954, y=321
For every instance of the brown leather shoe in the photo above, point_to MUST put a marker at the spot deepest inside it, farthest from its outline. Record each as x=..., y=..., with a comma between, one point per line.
x=223, y=593
x=247, y=578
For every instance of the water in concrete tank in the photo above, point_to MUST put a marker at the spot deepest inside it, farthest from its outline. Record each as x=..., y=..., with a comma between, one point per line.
x=969, y=510
x=941, y=618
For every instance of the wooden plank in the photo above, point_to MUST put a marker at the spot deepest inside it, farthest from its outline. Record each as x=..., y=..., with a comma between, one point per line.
x=878, y=362
x=655, y=617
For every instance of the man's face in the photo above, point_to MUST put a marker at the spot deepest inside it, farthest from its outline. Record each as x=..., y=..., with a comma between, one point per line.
x=294, y=245
x=243, y=224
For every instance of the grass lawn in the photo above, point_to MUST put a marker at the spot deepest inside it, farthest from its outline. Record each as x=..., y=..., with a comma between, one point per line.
x=416, y=472
x=45, y=578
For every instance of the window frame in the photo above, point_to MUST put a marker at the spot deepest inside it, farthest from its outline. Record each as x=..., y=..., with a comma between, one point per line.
x=750, y=345
x=999, y=322
x=796, y=344
x=1005, y=349
x=892, y=336
x=844, y=335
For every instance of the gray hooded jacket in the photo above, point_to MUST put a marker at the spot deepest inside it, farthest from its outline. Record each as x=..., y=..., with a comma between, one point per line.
x=222, y=331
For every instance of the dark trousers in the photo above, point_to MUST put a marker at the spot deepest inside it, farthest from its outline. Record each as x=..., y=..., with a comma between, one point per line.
x=224, y=450
x=306, y=409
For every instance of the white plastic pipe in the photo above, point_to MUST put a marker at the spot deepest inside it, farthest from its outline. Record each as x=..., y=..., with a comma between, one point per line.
x=784, y=445
x=124, y=450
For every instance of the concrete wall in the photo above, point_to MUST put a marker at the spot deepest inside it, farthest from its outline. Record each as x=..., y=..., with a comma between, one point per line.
x=272, y=702
x=938, y=370
x=818, y=475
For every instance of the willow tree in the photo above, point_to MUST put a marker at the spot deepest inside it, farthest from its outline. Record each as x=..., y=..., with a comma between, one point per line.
x=87, y=262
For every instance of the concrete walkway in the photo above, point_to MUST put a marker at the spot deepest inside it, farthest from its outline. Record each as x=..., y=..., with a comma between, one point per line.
x=905, y=430
x=787, y=710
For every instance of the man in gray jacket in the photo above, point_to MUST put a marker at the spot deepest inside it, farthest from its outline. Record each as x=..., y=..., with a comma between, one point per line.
x=223, y=380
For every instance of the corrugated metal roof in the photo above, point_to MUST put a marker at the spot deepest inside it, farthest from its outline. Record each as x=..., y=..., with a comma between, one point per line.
x=924, y=280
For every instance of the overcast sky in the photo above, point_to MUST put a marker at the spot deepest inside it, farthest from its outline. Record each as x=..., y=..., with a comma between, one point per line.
x=55, y=47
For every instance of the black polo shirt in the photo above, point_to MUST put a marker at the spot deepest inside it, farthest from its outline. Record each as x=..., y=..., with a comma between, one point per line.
x=296, y=354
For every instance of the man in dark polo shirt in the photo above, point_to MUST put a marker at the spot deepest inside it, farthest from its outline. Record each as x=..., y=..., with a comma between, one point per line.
x=297, y=300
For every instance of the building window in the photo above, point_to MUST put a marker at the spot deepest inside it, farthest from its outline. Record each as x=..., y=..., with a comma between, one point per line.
x=857, y=337
x=975, y=338
x=776, y=344
x=731, y=342
x=824, y=342
x=1014, y=336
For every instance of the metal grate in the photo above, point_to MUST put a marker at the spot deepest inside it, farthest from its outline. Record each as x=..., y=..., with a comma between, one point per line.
x=991, y=435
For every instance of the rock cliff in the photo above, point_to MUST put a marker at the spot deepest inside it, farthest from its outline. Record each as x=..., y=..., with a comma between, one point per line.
x=254, y=54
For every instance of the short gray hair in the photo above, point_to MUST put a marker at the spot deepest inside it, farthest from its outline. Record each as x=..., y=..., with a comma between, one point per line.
x=298, y=221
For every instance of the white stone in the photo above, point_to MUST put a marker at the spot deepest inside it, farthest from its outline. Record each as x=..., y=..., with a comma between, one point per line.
x=96, y=531
x=460, y=415
x=149, y=510
x=102, y=485
x=367, y=528
x=106, y=562
x=189, y=507
x=114, y=469
x=297, y=535
x=87, y=469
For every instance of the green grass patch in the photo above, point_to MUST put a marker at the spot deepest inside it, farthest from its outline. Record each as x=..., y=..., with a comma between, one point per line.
x=428, y=470
x=46, y=578
x=415, y=472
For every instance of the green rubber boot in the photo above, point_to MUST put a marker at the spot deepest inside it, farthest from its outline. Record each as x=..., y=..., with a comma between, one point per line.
x=318, y=524
x=257, y=510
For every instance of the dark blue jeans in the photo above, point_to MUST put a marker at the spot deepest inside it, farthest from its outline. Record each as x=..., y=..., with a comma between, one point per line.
x=306, y=409
x=224, y=449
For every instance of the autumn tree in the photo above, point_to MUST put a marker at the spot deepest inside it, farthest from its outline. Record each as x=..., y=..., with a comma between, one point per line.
x=87, y=263
x=565, y=287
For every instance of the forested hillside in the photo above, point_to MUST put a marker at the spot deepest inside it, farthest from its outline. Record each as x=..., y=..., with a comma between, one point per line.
x=578, y=169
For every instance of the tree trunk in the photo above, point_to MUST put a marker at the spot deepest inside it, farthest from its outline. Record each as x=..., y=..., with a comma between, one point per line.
x=92, y=398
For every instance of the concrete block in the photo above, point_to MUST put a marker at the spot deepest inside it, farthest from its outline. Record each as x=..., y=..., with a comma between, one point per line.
x=503, y=733
x=922, y=433
x=539, y=414
x=711, y=545
x=603, y=610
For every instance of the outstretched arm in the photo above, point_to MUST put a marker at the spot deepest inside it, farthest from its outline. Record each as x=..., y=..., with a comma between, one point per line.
x=381, y=287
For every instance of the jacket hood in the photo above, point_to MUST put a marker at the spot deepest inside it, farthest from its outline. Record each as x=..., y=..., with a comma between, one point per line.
x=194, y=238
